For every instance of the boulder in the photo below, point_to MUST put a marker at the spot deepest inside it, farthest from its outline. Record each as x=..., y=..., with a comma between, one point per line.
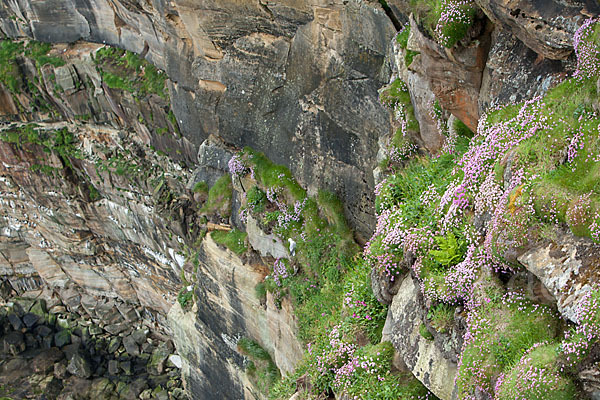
x=568, y=268
x=80, y=365
x=156, y=364
x=44, y=362
x=131, y=346
x=113, y=367
x=13, y=343
x=15, y=321
x=422, y=357
x=62, y=338
x=545, y=26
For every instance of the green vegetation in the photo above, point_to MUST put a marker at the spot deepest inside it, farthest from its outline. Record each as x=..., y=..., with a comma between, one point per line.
x=234, y=240
x=424, y=332
x=441, y=317
x=461, y=129
x=38, y=52
x=219, y=198
x=256, y=199
x=447, y=21
x=502, y=332
x=126, y=71
x=567, y=192
x=9, y=71
x=402, y=40
x=200, y=187
x=326, y=281
x=261, y=368
x=537, y=377
x=60, y=142
x=185, y=297
x=272, y=175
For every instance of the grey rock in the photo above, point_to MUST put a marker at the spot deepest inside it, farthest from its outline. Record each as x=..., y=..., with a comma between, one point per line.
x=15, y=321
x=156, y=364
x=43, y=330
x=266, y=244
x=70, y=350
x=101, y=388
x=139, y=335
x=565, y=266
x=126, y=367
x=39, y=308
x=175, y=359
x=113, y=367
x=133, y=390
x=131, y=346
x=62, y=338
x=80, y=365
x=422, y=357
x=590, y=378
x=60, y=370
x=113, y=345
x=13, y=343
x=44, y=362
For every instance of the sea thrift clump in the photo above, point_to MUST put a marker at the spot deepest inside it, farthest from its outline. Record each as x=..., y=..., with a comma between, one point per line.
x=586, y=334
x=586, y=49
x=402, y=152
x=579, y=214
x=279, y=271
x=237, y=166
x=535, y=376
x=456, y=18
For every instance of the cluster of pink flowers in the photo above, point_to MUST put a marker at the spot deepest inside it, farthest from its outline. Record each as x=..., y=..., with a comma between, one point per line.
x=586, y=51
x=400, y=153
x=528, y=380
x=237, y=166
x=287, y=214
x=357, y=306
x=456, y=17
x=279, y=271
x=579, y=213
x=579, y=341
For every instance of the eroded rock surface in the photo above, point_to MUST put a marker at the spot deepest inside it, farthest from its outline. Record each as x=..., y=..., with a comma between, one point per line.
x=422, y=356
x=291, y=79
x=568, y=267
x=546, y=27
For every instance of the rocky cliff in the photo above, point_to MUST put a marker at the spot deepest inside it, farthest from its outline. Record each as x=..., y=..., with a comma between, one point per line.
x=157, y=156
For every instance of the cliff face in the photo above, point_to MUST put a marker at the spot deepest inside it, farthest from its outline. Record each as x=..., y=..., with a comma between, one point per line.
x=107, y=162
x=290, y=79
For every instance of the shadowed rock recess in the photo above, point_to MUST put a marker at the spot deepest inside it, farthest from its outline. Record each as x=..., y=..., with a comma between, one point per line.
x=333, y=199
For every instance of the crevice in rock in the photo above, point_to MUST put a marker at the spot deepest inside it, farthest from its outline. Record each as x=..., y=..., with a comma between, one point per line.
x=390, y=14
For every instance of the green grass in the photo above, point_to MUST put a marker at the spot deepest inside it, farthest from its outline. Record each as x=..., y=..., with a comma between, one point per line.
x=9, y=71
x=441, y=317
x=261, y=368
x=402, y=40
x=61, y=141
x=256, y=199
x=272, y=175
x=537, y=377
x=200, y=187
x=10, y=74
x=38, y=52
x=424, y=332
x=397, y=97
x=126, y=71
x=234, y=240
x=219, y=198
x=427, y=14
x=184, y=297
x=567, y=110
x=502, y=332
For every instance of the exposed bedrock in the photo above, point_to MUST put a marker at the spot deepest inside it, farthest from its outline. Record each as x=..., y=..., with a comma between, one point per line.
x=292, y=79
